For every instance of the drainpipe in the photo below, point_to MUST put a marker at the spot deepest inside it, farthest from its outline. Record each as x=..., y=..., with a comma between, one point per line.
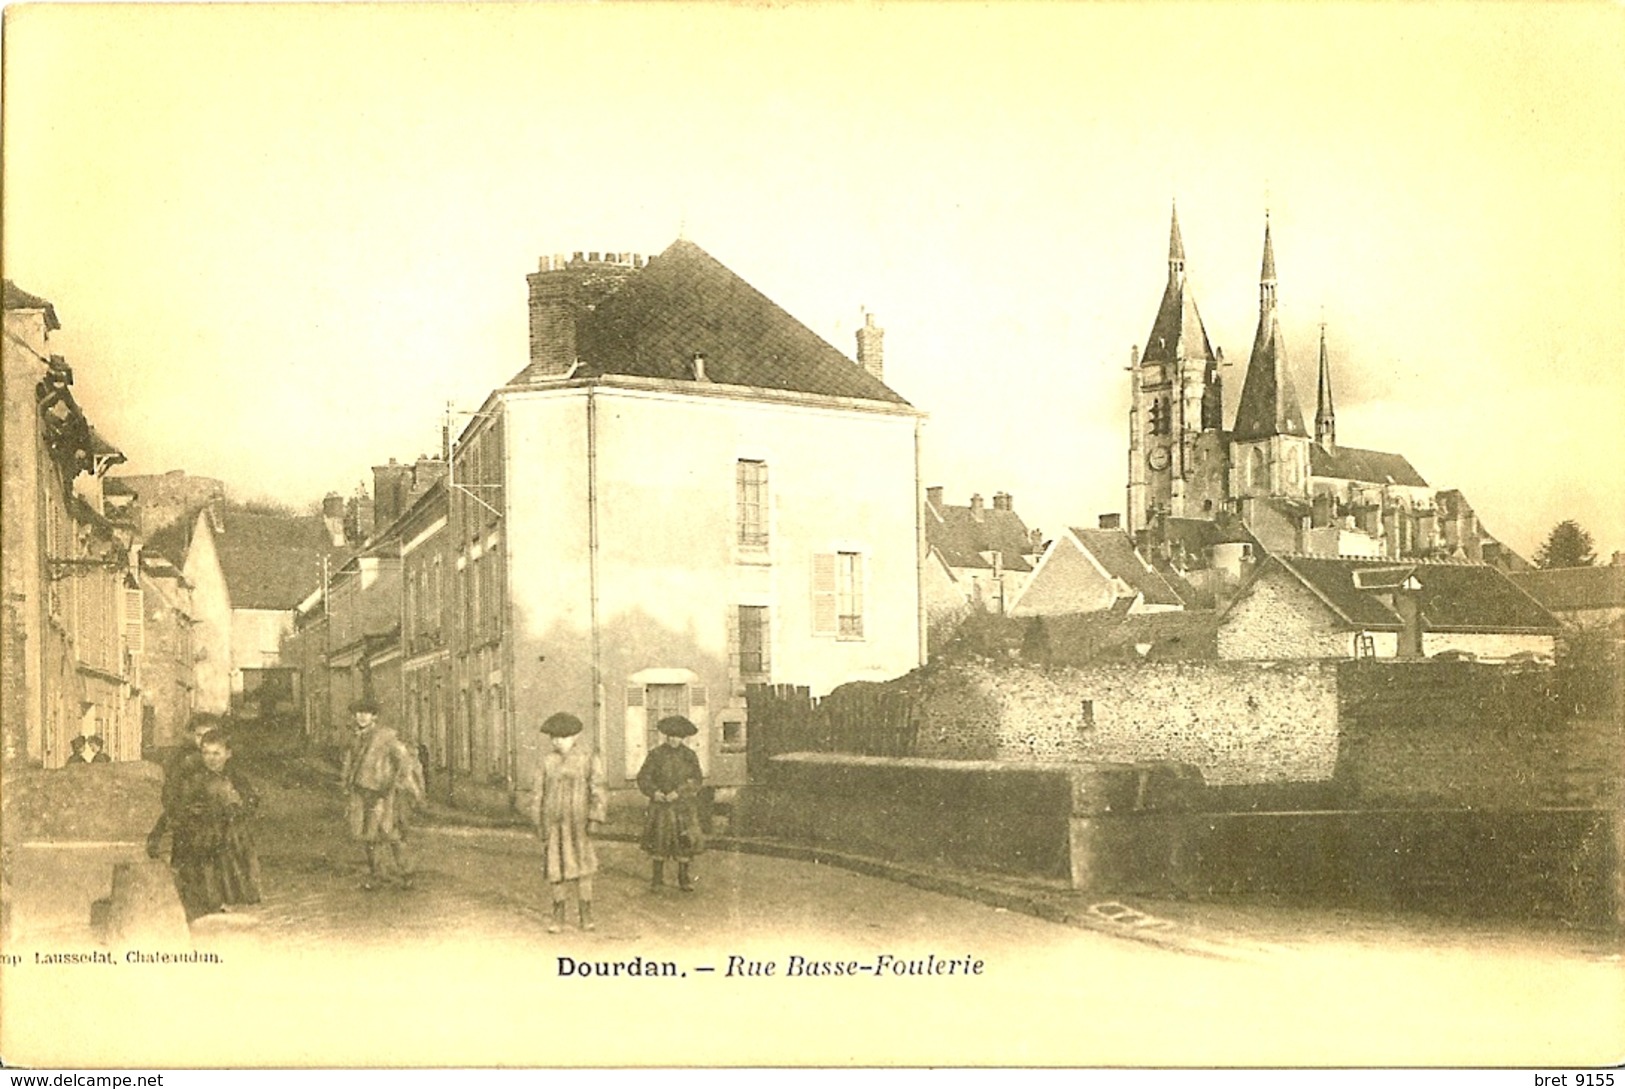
x=592, y=567
x=919, y=546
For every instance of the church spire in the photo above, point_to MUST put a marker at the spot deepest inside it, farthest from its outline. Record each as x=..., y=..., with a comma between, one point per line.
x=1266, y=276
x=1269, y=403
x=1325, y=415
x=1176, y=247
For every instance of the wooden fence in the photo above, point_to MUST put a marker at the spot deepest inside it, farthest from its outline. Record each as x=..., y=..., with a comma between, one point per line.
x=864, y=719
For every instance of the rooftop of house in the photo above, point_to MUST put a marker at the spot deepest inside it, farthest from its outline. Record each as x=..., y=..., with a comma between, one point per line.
x=966, y=535
x=17, y=299
x=269, y=560
x=684, y=302
x=1453, y=595
x=1114, y=551
x=1366, y=466
x=1575, y=588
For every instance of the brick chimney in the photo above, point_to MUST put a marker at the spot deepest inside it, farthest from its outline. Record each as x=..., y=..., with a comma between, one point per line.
x=976, y=506
x=933, y=496
x=391, y=488
x=333, y=517
x=870, y=353
x=562, y=293
x=1003, y=501
x=1111, y=521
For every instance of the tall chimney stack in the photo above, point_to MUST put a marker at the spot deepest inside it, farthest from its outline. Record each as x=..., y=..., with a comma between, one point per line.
x=933, y=495
x=870, y=354
x=562, y=293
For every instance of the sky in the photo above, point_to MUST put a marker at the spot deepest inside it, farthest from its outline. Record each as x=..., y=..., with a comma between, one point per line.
x=281, y=239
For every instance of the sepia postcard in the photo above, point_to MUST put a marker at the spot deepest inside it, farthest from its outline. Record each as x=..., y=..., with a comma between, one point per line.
x=813, y=535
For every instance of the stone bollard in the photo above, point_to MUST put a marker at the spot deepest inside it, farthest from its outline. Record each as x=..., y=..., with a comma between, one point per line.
x=144, y=908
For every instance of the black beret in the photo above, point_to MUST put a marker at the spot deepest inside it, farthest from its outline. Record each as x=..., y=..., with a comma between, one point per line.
x=562, y=724
x=677, y=726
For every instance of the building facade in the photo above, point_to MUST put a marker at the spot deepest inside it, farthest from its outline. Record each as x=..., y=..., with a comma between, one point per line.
x=72, y=629
x=685, y=492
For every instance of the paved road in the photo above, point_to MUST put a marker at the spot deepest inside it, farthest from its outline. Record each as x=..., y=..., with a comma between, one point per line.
x=460, y=971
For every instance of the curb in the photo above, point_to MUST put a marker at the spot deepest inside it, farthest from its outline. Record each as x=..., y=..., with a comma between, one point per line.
x=1109, y=917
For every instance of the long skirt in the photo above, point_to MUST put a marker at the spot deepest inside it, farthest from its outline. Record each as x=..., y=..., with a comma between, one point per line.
x=213, y=871
x=672, y=830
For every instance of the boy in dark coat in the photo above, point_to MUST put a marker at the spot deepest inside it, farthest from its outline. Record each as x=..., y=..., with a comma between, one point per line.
x=670, y=779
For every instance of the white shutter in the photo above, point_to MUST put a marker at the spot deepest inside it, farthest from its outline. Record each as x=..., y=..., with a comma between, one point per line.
x=134, y=621
x=636, y=729
x=823, y=593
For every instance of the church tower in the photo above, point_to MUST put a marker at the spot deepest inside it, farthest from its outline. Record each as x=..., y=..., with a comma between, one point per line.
x=1176, y=401
x=1269, y=443
x=1325, y=415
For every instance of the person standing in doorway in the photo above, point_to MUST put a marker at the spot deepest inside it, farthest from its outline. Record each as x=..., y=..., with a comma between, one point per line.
x=670, y=779
x=381, y=779
x=567, y=808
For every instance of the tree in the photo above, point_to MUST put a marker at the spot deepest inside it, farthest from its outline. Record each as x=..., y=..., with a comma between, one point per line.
x=1566, y=546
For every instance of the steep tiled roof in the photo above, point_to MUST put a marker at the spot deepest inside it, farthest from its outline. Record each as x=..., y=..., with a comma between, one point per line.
x=270, y=561
x=962, y=538
x=1114, y=551
x=1575, y=588
x=1178, y=331
x=1269, y=401
x=1370, y=466
x=18, y=299
x=686, y=301
x=1453, y=596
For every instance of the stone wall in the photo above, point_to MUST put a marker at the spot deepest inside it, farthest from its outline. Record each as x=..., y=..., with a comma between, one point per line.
x=1236, y=722
x=1278, y=617
x=1471, y=735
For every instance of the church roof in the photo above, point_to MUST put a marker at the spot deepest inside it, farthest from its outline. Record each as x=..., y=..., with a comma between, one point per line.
x=1367, y=466
x=1178, y=331
x=686, y=301
x=1269, y=402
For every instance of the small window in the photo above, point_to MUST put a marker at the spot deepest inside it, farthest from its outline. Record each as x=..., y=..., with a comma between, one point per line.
x=849, y=594
x=751, y=487
x=753, y=660
x=733, y=735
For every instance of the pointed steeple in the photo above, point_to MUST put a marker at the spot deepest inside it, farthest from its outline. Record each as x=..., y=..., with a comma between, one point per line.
x=1325, y=415
x=1176, y=247
x=1178, y=332
x=1269, y=402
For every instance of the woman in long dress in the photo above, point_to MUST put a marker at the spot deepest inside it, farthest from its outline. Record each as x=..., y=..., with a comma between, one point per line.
x=214, y=856
x=671, y=779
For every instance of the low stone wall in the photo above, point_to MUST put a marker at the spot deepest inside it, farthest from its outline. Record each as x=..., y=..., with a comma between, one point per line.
x=1237, y=722
x=1105, y=828
x=1437, y=734
x=974, y=814
x=66, y=830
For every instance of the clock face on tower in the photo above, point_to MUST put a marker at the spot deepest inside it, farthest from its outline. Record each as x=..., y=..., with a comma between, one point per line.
x=1157, y=458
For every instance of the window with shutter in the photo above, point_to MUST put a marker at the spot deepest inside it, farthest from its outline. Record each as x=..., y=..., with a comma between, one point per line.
x=823, y=593
x=849, y=594
x=751, y=487
x=134, y=621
